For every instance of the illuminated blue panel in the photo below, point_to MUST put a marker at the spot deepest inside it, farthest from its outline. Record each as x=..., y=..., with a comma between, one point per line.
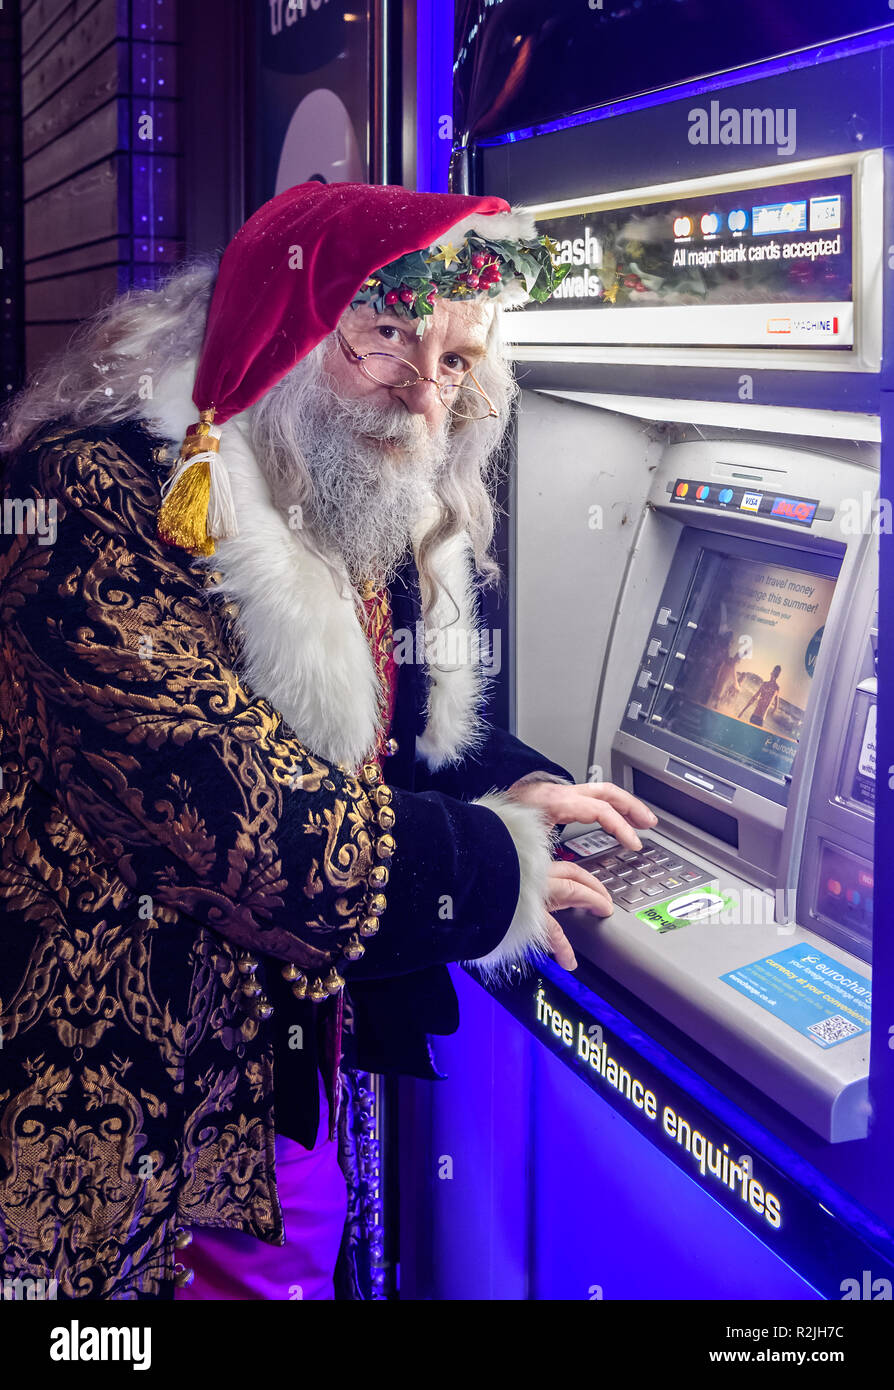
x=153, y=138
x=434, y=93
x=529, y=1186
x=613, y=1219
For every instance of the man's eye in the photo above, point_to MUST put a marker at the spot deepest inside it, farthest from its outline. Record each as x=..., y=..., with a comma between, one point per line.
x=454, y=363
x=389, y=328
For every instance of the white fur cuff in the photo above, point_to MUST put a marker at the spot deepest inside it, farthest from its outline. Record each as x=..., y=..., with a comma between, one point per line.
x=528, y=934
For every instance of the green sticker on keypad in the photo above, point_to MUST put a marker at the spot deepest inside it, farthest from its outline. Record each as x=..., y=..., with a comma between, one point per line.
x=692, y=905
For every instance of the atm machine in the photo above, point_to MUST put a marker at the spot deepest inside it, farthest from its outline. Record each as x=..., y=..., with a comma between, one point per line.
x=738, y=701
x=695, y=514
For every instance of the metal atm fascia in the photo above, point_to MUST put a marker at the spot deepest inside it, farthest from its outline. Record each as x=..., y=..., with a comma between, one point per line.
x=678, y=973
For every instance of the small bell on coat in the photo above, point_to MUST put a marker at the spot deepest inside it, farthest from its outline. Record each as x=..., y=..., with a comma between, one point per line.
x=197, y=501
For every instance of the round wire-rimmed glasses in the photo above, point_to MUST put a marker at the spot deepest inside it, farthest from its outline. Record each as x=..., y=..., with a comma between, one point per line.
x=469, y=403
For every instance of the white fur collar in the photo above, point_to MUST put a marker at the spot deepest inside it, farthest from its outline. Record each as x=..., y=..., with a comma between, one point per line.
x=302, y=644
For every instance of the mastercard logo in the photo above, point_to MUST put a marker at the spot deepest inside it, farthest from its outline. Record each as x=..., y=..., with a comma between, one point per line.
x=682, y=489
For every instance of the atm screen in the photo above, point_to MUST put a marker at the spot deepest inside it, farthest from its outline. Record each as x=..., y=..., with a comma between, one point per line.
x=739, y=670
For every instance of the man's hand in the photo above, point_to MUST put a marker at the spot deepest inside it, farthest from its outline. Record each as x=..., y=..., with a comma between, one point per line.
x=571, y=886
x=603, y=802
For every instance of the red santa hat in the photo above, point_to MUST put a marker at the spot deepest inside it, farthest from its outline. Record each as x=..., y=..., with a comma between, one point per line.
x=284, y=282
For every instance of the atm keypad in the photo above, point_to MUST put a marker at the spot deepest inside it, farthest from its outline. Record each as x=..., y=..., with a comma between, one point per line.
x=635, y=876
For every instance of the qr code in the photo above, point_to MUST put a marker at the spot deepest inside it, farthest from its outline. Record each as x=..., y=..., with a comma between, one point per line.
x=834, y=1029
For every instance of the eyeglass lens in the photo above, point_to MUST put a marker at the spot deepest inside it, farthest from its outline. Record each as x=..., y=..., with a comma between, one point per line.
x=391, y=371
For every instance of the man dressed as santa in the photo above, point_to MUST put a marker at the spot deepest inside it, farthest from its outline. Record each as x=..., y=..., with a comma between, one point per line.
x=250, y=808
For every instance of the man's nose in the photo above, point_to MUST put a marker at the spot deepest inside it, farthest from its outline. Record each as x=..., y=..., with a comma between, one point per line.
x=422, y=399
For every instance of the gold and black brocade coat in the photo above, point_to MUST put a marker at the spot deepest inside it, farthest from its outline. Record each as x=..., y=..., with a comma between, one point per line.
x=157, y=820
x=128, y=747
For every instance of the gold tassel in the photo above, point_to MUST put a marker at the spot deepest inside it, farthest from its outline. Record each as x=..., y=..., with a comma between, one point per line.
x=183, y=516
x=194, y=495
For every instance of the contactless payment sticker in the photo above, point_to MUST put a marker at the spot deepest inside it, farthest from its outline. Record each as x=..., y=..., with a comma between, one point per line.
x=693, y=905
x=814, y=994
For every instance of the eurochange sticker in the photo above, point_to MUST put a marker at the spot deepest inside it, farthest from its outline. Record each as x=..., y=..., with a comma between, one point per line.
x=694, y=905
x=814, y=994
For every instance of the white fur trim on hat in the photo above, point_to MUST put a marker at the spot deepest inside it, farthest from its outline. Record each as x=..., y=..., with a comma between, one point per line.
x=516, y=225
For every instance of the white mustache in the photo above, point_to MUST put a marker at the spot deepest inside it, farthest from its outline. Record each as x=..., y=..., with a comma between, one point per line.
x=394, y=423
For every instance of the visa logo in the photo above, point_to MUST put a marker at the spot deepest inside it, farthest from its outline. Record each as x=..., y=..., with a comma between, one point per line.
x=793, y=510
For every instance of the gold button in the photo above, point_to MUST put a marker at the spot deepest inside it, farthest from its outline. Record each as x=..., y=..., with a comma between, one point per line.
x=182, y=1237
x=385, y=817
x=393, y=747
x=263, y=1009
x=290, y=971
x=382, y=795
x=247, y=965
x=251, y=987
x=385, y=846
x=377, y=905
x=369, y=926
x=299, y=988
x=379, y=876
x=183, y=1277
x=317, y=992
x=354, y=949
x=370, y=774
x=334, y=981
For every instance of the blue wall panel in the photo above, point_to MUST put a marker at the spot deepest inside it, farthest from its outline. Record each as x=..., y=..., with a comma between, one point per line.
x=552, y=1194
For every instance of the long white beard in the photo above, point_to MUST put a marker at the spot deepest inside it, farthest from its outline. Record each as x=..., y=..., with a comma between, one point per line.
x=363, y=500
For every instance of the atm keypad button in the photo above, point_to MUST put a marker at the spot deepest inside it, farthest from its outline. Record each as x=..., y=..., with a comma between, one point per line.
x=631, y=897
x=671, y=882
x=652, y=890
x=611, y=861
x=612, y=882
x=627, y=854
x=635, y=880
x=672, y=866
x=688, y=875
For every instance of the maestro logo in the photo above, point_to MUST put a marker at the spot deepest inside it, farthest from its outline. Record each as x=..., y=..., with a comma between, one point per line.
x=794, y=509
